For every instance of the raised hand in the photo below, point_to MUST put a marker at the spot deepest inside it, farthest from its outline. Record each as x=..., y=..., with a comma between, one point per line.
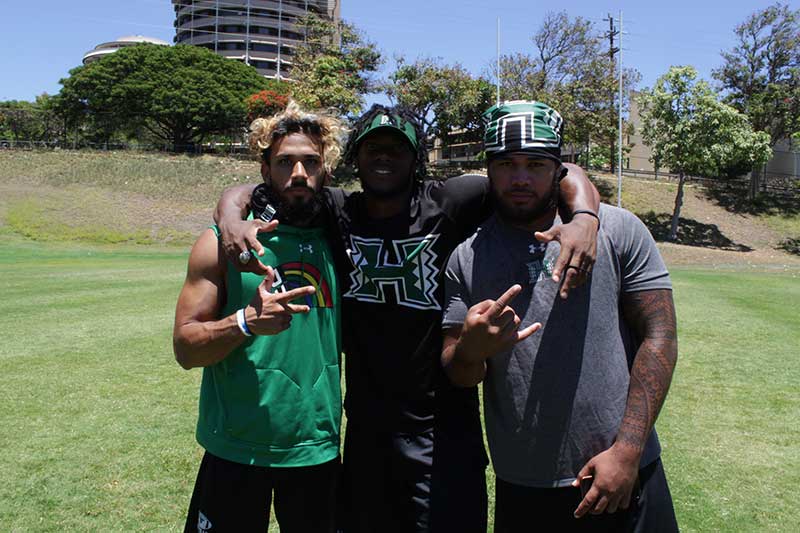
x=270, y=313
x=491, y=327
x=242, y=236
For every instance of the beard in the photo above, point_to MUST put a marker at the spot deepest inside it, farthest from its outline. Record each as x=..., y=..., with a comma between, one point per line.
x=294, y=212
x=526, y=215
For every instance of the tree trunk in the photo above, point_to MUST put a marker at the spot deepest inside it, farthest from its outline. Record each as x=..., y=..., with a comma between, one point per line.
x=755, y=178
x=676, y=214
x=612, y=158
x=588, y=147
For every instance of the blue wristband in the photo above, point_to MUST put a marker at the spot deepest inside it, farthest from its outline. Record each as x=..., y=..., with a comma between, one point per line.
x=243, y=323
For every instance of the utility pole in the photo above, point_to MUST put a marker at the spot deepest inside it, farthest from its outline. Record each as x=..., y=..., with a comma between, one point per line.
x=216, y=26
x=610, y=34
x=280, y=41
x=498, y=61
x=619, y=116
x=247, y=37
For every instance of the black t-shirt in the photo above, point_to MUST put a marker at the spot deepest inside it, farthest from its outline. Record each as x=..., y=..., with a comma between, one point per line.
x=391, y=276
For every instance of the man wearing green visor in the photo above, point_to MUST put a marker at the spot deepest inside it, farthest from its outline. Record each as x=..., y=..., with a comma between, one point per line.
x=572, y=388
x=413, y=455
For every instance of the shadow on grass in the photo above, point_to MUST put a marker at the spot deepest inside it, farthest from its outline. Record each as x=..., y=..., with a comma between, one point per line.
x=690, y=232
x=733, y=198
x=607, y=190
x=791, y=246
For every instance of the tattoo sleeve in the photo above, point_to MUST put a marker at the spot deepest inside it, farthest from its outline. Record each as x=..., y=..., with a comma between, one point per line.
x=651, y=316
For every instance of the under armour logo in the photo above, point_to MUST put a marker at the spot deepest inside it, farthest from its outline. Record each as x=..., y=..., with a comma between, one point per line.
x=537, y=248
x=307, y=248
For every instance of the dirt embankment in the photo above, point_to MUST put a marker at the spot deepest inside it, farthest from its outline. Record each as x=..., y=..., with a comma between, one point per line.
x=170, y=199
x=718, y=228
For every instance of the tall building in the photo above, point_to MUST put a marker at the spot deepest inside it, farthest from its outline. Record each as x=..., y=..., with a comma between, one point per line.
x=261, y=33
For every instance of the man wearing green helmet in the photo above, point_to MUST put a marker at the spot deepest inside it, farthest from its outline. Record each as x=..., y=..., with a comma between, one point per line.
x=572, y=387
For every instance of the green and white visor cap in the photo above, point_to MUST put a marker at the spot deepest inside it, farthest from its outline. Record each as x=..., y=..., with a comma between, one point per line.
x=523, y=126
x=394, y=122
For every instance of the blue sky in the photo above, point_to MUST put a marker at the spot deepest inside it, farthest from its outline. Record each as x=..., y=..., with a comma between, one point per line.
x=42, y=41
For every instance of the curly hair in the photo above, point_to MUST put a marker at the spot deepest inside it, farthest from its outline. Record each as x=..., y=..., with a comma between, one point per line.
x=327, y=129
x=363, y=122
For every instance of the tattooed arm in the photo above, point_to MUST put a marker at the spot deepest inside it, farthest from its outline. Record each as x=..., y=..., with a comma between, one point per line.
x=651, y=317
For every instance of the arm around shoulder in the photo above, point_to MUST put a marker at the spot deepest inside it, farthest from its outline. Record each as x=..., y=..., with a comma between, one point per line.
x=233, y=203
x=578, y=192
x=239, y=236
x=578, y=237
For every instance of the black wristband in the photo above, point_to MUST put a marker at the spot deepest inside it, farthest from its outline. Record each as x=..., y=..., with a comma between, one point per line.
x=586, y=212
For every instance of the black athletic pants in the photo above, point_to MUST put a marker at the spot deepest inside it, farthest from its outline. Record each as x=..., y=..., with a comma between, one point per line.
x=525, y=509
x=231, y=496
x=391, y=483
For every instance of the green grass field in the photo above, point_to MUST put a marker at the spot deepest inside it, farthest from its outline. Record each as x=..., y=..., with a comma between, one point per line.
x=98, y=420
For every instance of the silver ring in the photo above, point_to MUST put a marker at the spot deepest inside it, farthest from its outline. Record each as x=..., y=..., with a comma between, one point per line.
x=245, y=257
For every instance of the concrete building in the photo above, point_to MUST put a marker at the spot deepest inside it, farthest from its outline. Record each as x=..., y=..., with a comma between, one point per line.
x=261, y=33
x=639, y=156
x=109, y=48
x=784, y=165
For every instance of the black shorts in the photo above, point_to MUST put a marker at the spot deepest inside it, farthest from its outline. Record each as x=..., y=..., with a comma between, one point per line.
x=519, y=508
x=231, y=496
x=412, y=483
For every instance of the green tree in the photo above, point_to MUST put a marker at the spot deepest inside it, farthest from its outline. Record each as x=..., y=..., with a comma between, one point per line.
x=17, y=120
x=179, y=94
x=692, y=133
x=570, y=70
x=446, y=98
x=31, y=121
x=760, y=75
x=334, y=67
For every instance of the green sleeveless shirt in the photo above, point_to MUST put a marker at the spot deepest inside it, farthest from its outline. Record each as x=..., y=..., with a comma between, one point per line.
x=276, y=399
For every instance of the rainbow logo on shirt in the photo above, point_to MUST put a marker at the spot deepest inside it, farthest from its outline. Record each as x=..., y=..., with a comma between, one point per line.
x=298, y=274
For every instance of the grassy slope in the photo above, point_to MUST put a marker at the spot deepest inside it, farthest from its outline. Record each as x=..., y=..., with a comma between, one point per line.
x=154, y=198
x=114, y=197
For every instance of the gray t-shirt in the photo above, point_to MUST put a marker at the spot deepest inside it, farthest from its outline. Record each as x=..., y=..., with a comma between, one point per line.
x=557, y=398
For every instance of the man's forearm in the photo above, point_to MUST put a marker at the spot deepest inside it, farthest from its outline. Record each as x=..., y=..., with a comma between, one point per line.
x=652, y=314
x=233, y=203
x=577, y=192
x=459, y=371
x=201, y=344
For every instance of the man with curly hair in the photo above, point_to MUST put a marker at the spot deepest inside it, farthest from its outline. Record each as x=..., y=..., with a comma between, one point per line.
x=270, y=398
x=413, y=455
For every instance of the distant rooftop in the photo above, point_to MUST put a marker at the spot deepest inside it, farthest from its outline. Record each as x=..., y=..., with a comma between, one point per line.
x=141, y=39
x=110, y=47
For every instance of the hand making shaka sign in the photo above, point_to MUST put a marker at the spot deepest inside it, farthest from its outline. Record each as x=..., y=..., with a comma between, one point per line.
x=491, y=327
